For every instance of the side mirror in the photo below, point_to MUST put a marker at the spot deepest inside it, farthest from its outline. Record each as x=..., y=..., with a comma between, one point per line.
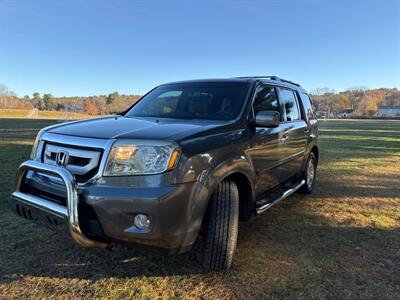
x=267, y=118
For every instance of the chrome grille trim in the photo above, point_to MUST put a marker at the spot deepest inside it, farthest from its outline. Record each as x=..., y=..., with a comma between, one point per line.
x=75, y=141
x=92, y=156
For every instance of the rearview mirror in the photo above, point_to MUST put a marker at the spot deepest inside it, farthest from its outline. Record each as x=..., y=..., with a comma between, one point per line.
x=268, y=118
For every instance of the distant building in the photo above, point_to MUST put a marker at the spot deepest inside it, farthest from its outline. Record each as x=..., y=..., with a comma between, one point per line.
x=322, y=114
x=74, y=107
x=385, y=111
x=345, y=113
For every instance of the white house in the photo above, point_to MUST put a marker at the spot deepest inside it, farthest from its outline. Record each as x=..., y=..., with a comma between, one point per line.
x=385, y=111
x=74, y=107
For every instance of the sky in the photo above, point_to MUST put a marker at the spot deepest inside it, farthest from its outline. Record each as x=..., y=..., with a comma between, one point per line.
x=83, y=48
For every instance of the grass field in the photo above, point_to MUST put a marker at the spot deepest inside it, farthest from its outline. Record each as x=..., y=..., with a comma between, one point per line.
x=29, y=114
x=343, y=241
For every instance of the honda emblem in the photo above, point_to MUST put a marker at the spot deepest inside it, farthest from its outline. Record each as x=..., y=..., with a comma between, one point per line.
x=62, y=158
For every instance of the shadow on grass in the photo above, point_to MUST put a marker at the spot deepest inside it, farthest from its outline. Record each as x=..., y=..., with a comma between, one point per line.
x=46, y=253
x=384, y=187
x=286, y=252
x=284, y=244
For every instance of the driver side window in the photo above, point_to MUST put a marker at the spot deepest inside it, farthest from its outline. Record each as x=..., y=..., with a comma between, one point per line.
x=265, y=99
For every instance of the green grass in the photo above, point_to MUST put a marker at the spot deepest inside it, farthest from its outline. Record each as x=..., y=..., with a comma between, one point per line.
x=343, y=241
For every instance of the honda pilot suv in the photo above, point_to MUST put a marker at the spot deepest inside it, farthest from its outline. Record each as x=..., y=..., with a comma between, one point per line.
x=183, y=164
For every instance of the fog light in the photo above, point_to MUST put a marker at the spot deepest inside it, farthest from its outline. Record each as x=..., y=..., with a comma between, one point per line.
x=142, y=222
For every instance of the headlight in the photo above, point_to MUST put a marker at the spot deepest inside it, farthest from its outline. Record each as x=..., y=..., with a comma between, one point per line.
x=36, y=143
x=140, y=158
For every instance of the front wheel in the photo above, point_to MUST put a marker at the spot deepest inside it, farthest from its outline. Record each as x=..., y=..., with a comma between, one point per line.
x=221, y=227
x=309, y=175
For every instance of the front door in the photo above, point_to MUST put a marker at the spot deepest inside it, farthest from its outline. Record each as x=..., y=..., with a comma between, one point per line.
x=268, y=149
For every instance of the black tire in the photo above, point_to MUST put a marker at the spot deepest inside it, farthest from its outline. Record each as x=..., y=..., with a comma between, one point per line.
x=221, y=227
x=308, y=187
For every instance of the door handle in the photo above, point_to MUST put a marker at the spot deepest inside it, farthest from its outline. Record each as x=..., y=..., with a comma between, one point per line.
x=284, y=138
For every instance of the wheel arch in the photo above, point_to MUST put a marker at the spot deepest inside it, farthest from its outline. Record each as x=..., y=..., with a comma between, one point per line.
x=246, y=194
x=246, y=191
x=315, y=150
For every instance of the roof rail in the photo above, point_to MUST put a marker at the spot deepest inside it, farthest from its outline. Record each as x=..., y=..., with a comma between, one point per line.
x=272, y=78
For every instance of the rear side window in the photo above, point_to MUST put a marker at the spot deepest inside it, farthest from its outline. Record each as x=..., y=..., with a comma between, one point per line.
x=289, y=104
x=265, y=99
x=307, y=105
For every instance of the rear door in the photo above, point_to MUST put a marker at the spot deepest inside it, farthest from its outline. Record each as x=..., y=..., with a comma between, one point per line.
x=295, y=131
x=309, y=116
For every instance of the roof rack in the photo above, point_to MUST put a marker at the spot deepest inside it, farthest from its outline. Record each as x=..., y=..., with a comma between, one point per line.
x=272, y=78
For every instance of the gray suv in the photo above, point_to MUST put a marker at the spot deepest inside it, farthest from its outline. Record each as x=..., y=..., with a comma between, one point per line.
x=183, y=164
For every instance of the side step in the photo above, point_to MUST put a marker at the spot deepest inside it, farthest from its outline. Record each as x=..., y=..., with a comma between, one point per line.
x=272, y=202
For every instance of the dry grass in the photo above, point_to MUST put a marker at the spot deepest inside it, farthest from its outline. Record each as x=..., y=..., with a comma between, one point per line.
x=343, y=241
x=48, y=115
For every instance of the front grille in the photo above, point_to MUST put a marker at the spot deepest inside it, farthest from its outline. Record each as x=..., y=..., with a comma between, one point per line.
x=42, y=193
x=83, y=163
x=45, y=186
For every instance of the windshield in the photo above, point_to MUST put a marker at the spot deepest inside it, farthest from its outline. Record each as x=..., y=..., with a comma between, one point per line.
x=211, y=101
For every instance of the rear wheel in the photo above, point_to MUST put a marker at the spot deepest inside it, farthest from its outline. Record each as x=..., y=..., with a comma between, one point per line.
x=221, y=227
x=309, y=175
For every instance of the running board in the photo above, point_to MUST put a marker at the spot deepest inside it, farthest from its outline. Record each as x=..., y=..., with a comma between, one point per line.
x=272, y=202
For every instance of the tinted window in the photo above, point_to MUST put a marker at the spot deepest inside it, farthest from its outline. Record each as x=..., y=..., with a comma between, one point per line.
x=212, y=101
x=289, y=104
x=307, y=105
x=265, y=99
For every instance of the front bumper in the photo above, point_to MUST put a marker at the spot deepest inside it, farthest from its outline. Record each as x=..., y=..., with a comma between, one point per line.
x=43, y=208
x=114, y=202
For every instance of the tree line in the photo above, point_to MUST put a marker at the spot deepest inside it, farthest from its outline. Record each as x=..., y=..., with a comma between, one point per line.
x=362, y=101
x=92, y=105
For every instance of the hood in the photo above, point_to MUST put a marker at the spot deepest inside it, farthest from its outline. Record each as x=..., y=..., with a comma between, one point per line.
x=134, y=128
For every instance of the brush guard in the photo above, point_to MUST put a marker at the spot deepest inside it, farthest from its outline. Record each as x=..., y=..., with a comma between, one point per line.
x=69, y=213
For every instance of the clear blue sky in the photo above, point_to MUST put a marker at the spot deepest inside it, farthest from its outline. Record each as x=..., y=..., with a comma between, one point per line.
x=97, y=47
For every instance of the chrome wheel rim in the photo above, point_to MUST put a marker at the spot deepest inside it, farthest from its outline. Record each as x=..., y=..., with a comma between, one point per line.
x=310, y=173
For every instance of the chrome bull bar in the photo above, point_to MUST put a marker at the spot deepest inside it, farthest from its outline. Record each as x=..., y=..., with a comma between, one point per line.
x=70, y=213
